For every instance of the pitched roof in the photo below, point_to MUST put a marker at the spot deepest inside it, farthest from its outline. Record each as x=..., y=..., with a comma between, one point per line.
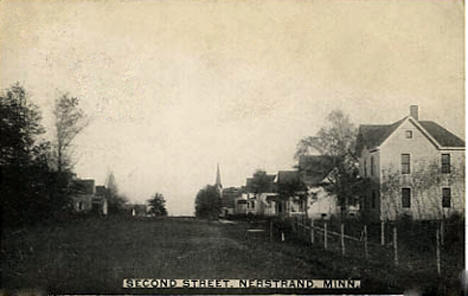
x=229, y=196
x=316, y=168
x=83, y=186
x=218, y=177
x=374, y=135
x=249, y=184
x=287, y=176
x=441, y=135
x=101, y=190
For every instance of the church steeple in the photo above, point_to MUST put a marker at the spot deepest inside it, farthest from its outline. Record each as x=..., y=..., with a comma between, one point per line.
x=218, y=178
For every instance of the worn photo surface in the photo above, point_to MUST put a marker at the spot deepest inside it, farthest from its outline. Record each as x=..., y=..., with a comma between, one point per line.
x=232, y=147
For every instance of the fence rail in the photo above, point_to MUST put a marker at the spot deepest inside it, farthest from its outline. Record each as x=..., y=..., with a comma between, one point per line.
x=384, y=242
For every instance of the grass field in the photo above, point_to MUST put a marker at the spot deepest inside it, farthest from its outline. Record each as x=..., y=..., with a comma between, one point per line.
x=94, y=255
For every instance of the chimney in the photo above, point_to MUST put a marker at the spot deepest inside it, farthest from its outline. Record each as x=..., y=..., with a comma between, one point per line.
x=414, y=112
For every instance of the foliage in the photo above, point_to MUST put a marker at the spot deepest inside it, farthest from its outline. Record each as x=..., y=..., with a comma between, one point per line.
x=336, y=140
x=157, y=205
x=261, y=182
x=208, y=203
x=20, y=126
x=70, y=120
x=31, y=191
x=291, y=187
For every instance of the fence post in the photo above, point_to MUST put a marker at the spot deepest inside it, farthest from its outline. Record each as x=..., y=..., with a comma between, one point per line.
x=271, y=230
x=304, y=224
x=382, y=233
x=342, y=240
x=366, y=253
x=438, y=250
x=312, y=234
x=395, y=245
x=282, y=236
x=300, y=229
x=296, y=224
x=325, y=238
x=442, y=230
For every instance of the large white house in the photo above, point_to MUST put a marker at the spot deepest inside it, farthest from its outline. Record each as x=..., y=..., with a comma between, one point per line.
x=415, y=168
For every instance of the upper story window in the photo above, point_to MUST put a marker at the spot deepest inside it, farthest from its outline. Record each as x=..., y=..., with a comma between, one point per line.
x=374, y=199
x=446, y=197
x=405, y=164
x=409, y=134
x=406, y=197
x=372, y=165
x=446, y=163
x=365, y=168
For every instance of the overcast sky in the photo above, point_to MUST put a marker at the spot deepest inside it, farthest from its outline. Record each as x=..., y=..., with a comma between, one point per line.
x=173, y=87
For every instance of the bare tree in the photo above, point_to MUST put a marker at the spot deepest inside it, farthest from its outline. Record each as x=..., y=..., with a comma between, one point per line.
x=426, y=183
x=70, y=120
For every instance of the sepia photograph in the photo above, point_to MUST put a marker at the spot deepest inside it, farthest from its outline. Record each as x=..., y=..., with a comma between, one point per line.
x=235, y=147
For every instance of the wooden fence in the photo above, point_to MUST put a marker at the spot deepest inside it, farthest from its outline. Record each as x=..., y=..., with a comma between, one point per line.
x=354, y=240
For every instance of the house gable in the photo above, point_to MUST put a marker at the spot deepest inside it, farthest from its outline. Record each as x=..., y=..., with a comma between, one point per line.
x=374, y=136
x=419, y=147
x=409, y=124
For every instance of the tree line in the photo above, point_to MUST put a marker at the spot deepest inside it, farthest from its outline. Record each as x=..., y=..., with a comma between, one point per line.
x=336, y=141
x=36, y=173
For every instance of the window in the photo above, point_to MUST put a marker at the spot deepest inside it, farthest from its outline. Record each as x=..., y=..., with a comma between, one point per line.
x=365, y=168
x=405, y=164
x=446, y=197
x=445, y=163
x=374, y=199
x=409, y=134
x=372, y=165
x=252, y=204
x=406, y=197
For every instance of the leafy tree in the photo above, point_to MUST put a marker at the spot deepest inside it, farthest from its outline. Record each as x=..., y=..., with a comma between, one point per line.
x=261, y=182
x=157, y=205
x=337, y=141
x=70, y=120
x=208, y=203
x=20, y=126
x=28, y=186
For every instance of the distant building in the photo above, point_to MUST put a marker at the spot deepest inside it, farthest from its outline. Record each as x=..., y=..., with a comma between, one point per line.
x=260, y=203
x=314, y=171
x=87, y=198
x=136, y=210
x=240, y=203
x=100, y=200
x=229, y=196
x=292, y=204
x=415, y=168
x=82, y=195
